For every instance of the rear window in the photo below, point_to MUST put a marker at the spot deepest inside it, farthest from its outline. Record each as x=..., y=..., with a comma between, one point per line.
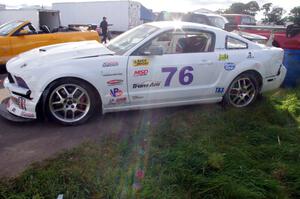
x=246, y=20
x=234, y=43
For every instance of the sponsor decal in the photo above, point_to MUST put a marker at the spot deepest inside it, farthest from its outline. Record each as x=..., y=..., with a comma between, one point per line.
x=137, y=97
x=229, y=66
x=250, y=56
x=186, y=76
x=139, y=73
x=116, y=92
x=29, y=115
x=220, y=90
x=114, y=101
x=112, y=74
x=141, y=62
x=110, y=64
x=20, y=102
x=114, y=82
x=147, y=84
x=223, y=57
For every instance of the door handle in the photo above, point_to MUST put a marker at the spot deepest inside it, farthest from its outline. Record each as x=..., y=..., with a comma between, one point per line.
x=206, y=62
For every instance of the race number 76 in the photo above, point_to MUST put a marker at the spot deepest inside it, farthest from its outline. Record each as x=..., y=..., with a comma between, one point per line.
x=185, y=75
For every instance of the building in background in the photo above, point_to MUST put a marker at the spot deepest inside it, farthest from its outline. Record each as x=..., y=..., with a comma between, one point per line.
x=123, y=15
x=37, y=17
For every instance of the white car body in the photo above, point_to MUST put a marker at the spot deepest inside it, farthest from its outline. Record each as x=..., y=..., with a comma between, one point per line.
x=129, y=82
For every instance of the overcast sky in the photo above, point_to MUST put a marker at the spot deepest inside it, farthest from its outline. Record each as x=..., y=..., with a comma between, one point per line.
x=170, y=5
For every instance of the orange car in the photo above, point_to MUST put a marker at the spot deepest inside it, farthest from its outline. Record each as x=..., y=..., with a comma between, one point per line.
x=20, y=36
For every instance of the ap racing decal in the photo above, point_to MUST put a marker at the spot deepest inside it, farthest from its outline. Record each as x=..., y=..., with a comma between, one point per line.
x=116, y=92
x=114, y=82
x=141, y=62
x=147, y=84
x=186, y=76
x=229, y=66
x=139, y=73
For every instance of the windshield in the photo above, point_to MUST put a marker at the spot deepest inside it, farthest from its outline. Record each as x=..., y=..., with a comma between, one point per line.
x=129, y=39
x=6, y=28
x=218, y=21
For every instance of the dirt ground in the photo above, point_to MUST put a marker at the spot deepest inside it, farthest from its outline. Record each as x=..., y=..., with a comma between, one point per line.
x=22, y=144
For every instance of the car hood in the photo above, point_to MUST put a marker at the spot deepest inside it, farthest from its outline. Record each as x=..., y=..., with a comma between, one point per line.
x=58, y=52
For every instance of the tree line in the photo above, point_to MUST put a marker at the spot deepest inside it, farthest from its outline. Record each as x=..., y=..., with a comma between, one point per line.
x=272, y=14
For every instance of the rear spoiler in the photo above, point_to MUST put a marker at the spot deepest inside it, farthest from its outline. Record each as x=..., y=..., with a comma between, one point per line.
x=290, y=30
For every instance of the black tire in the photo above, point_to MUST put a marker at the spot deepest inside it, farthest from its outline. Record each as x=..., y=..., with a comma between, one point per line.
x=246, y=96
x=89, y=94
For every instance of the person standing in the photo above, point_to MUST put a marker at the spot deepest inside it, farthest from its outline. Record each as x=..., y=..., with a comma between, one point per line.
x=103, y=26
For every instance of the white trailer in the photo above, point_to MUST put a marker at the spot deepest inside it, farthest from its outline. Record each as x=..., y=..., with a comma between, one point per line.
x=123, y=15
x=38, y=17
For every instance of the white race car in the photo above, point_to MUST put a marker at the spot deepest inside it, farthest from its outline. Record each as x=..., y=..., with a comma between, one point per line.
x=159, y=64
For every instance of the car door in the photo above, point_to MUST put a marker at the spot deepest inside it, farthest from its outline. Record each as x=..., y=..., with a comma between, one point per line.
x=24, y=42
x=176, y=66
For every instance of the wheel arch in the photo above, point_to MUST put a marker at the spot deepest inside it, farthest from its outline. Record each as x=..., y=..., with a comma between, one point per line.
x=256, y=73
x=40, y=108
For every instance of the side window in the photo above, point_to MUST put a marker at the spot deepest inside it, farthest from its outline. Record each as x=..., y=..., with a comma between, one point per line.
x=189, y=41
x=233, y=43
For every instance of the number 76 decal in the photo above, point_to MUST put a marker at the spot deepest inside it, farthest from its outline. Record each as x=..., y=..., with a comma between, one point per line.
x=185, y=77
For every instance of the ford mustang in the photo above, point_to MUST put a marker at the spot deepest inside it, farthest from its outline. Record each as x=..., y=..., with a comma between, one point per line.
x=19, y=36
x=160, y=64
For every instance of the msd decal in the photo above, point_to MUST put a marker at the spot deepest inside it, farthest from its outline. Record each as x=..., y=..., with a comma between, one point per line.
x=116, y=92
x=115, y=82
x=139, y=73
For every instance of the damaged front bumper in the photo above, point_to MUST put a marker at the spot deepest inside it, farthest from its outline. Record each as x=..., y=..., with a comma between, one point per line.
x=19, y=107
x=9, y=116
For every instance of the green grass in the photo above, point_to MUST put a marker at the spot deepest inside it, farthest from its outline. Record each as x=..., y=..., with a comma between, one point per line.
x=198, y=152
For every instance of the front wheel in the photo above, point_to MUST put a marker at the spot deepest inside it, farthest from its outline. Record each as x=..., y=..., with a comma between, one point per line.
x=243, y=91
x=70, y=102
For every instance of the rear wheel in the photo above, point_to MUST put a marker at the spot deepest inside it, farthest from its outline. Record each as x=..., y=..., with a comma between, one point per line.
x=243, y=91
x=70, y=102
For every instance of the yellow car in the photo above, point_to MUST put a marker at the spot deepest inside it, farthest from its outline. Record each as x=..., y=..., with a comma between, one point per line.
x=20, y=36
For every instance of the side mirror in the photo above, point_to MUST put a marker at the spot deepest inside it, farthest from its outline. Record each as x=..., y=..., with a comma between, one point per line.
x=154, y=50
x=229, y=27
x=23, y=32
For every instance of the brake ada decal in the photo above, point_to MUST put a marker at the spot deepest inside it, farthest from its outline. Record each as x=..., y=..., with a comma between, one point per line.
x=116, y=92
x=114, y=82
x=229, y=66
x=141, y=62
